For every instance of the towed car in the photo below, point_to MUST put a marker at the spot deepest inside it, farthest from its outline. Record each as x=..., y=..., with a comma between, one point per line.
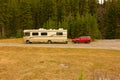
x=82, y=39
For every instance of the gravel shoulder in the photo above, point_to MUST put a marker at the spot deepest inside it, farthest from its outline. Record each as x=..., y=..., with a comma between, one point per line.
x=99, y=44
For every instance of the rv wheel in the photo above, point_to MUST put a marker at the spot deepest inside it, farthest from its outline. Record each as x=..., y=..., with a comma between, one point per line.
x=66, y=42
x=49, y=42
x=27, y=42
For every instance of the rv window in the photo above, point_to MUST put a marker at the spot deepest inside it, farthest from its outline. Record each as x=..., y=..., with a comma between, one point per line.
x=27, y=34
x=59, y=33
x=35, y=33
x=44, y=34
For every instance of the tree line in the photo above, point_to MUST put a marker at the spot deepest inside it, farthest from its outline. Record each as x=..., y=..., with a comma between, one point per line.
x=79, y=17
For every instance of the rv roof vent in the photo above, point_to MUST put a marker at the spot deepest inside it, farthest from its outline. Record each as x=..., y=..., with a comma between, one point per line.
x=60, y=28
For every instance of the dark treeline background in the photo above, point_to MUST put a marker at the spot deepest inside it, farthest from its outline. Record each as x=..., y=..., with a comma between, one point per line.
x=79, y=17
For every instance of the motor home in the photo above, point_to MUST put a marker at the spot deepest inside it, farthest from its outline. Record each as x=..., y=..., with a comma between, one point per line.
x=45, y=35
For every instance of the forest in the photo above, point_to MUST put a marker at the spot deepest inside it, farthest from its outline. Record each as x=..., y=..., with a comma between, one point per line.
x=79, y=17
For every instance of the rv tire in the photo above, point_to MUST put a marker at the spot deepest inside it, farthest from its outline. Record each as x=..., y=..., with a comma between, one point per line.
x=66, y=42
x=27, y=41
x=49, y=42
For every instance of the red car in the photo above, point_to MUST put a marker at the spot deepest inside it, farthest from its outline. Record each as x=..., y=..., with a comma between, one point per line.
x=82, y=39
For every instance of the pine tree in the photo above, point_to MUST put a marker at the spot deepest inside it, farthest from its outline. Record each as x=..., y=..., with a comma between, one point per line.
x=118, y=20
x=4, y=16
x=25, y=20
x=83, y=7
x=92, y=6
x=50, y=24
x=78, y=16
x=25, y=16
x=60, y=13
x=111, y=20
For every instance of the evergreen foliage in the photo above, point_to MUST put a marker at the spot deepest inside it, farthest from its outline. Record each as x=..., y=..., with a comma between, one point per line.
x=113, y=20
x=79, y=17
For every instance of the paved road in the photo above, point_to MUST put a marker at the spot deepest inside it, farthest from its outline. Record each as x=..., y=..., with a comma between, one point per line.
x=100, y=44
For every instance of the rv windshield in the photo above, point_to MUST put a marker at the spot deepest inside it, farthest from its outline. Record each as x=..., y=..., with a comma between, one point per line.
x=27, y=34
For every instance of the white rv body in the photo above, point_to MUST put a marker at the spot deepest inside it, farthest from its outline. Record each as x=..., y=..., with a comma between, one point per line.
x=45, y=35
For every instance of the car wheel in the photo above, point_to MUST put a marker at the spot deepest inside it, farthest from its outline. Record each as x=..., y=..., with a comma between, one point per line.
x=88, y=41
x=74, y=42
x=77, y=42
